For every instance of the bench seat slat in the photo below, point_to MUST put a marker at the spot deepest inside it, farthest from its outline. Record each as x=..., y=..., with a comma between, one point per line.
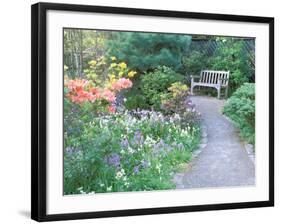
x=212, y=78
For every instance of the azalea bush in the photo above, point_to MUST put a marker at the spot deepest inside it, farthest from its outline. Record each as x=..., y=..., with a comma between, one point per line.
x=104, y=81
x=95, y=95
x=132, y=151
x=240, y=108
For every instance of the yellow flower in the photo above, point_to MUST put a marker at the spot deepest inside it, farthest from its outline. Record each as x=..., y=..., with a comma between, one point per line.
x=93, y=62
x=112, y=65
x=113, y=58
x=123, y=65
x=112, y=76
x=131, y=74
x=120, y=74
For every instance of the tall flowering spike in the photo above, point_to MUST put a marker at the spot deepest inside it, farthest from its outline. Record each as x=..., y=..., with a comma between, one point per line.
x=125, y=143
x=136, y=169
x=138, y=137
x=113, y=160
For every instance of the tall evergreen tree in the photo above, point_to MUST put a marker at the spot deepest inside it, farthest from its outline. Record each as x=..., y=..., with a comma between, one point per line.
x=146, y=51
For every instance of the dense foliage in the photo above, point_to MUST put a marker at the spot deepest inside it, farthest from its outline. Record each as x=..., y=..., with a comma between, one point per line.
x=132, y=151
x=176, y=101
x=232, y=57
x=147, y=51
x=109, y=149
x=240, y=107
x=156, y=83
x=228, y=55
x=194, y=62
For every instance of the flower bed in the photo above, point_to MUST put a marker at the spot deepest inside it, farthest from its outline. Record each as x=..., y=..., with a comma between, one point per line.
x=130, y=151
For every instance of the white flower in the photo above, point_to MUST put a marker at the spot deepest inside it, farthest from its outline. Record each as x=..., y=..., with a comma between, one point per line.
x=130, y=150
x=109, y=188
x=80, y=189
x=158, y=167
x=122, y=151
x=120, y=174
x=125, y=99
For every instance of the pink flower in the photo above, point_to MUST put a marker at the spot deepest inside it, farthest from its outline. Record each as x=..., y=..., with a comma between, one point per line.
x=122, y=83
x=108, y=95
x=111, y=109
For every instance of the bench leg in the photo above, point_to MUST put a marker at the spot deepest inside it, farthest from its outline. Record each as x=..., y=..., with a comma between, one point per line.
x=219, y=92
x=226, y=92
x=191, y=89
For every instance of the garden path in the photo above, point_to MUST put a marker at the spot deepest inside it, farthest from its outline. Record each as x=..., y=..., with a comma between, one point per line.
x=223, y=161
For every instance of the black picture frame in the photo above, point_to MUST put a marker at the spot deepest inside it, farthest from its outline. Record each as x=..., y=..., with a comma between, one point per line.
x=39, y=108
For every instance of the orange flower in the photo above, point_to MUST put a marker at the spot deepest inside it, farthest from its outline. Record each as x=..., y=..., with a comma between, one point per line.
x=122, y=83
x=111, y=109
x=108, y=95
x=80, y=91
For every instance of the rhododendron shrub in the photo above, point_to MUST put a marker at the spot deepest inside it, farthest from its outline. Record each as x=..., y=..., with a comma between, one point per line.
x=86, y=98
x=81, y=91
x=100, y=89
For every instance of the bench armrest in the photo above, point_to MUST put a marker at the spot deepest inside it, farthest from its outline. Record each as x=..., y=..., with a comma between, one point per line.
x=195, y=77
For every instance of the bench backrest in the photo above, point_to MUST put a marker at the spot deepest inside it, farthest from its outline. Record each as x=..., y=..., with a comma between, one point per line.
x=213, y=77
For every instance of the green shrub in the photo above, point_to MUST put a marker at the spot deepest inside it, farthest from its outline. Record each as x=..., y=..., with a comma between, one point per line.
x=136, y=101
x=230, y=56
x=195, y=62
x=156, y=83
x=240, y=108
x=177, y=102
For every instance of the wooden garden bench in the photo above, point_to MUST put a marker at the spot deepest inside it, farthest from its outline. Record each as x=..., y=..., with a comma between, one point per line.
x=214, y=79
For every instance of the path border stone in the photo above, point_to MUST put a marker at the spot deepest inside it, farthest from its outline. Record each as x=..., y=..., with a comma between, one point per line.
x=248, y=147
x=178, y=177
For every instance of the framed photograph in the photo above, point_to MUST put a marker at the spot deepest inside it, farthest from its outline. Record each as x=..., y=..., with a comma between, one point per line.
x=140, y=111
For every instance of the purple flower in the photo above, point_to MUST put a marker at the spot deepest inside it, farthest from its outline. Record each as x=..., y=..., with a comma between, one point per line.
x=169, y=148
x=136, y=169
x=113, y=160
x=160, y=146
x=138, y=138
x=124, y=143
x=145, y=164
x=189, y=104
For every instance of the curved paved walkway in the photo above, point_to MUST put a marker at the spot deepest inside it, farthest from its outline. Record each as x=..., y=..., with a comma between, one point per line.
x=224, y=160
